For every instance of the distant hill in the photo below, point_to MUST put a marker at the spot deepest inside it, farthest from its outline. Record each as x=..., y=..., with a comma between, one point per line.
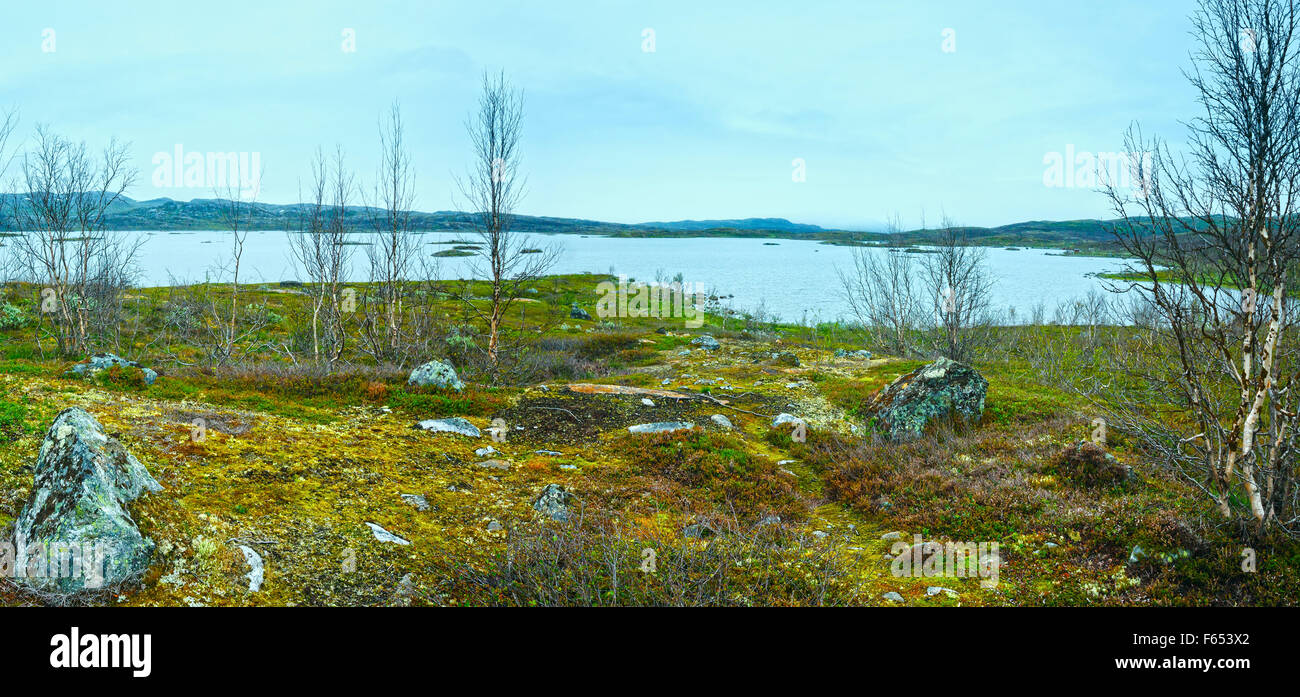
x=1090, y=236
x=774, y=224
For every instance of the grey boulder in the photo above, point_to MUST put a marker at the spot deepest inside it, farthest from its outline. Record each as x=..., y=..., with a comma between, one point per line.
x=77, y=512
x=435, y=374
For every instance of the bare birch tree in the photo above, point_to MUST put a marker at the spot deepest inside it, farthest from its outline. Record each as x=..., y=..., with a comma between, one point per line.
x=493, y=188
x=1214, y=236
x=394, y=249
x=322, y=248
x=883, y=291
x=63, y=245
x=958, y=282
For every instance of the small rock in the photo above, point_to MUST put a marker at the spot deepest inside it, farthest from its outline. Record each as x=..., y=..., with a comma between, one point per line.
x=666, y=382
x=417, y=500
x=554, y=502
x=256, y=570
x=935, y=590
x=104, y=361
x=494, y=526
x=384, y=536
x=893, y=597
x=784, y=418
x=706, y=342
x=484, y=452
x=786, y=359
x=453, y=425
x=551, y=453
x=891, y=536
x=495, y=464
x=576, y=312
x=721, y=421
x=647, y=401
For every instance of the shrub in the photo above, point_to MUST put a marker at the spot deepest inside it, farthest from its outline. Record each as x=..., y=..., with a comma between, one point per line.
x=716, y=467
x=1089, y=464
x=586, y=562
x=12, y=317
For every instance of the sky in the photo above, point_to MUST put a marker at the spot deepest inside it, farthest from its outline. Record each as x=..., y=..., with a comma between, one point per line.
x=839, y=114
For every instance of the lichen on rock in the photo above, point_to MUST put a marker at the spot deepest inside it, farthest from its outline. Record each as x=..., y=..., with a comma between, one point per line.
x=75, y=533
x=944, y=388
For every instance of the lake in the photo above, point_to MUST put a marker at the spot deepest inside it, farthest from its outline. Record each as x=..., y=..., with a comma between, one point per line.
x=793, y=279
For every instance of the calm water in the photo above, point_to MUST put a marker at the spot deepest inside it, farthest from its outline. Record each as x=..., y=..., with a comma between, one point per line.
x=792, y=278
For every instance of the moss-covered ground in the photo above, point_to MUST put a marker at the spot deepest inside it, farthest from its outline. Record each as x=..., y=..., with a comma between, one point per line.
x=294, y=466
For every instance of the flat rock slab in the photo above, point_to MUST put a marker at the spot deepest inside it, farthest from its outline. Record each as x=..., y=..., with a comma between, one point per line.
x=661, y=427
x=587, y=388
x=384, y=536
x=256, y=569
x=453, y=425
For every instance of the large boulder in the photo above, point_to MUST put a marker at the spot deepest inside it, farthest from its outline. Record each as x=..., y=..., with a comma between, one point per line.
x=104, y=361
x=435, y=374
x=76, y=519
x=942, y=389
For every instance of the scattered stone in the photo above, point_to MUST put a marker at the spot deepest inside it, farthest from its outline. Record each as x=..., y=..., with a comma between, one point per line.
x=721, y=421
x=647, y=401
x=1137, y=554
x=554, y=502
x=384, y=536
x=454, y=424
x=103, y=361
x=568, y=467
x=576, y=312
x=785, y=358
x=551, y=453
x=495, y=526
x=495, y=464
x=784, y=418
x=935, y=590
x=943, y=388
x=436, y=374
x=781, y=463
x=484, y=452
x=891, y=536
x=893, y=597
x=256, y=569
x=667, y=381
x=83, y=480
x=819, y=534
x=417, y=500
x=706, y=342
x=661, y=427
x=769, y=520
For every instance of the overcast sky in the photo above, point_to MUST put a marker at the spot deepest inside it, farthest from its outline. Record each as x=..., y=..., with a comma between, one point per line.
x=886, y=109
